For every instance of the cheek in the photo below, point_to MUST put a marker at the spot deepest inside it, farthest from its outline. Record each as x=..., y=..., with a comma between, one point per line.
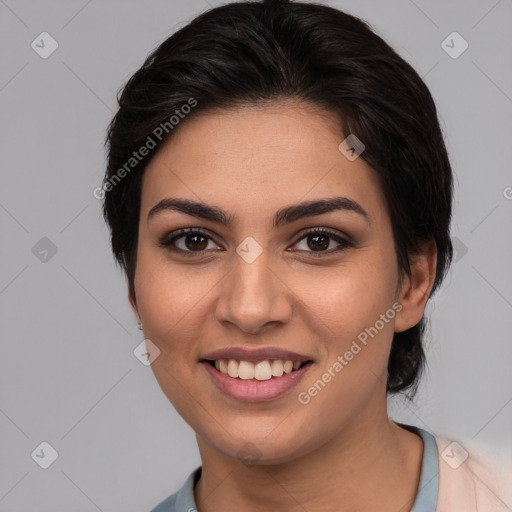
x=352, y=316
x=344, y=307
x=172, y=302
x=347, y=298
x=170, y=296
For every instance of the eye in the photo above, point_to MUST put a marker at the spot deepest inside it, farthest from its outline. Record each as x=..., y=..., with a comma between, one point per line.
x=187, y=241
x=193, y=241
x=319, y=239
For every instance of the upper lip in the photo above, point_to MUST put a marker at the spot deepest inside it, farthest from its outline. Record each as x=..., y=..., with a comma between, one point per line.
x=255, y=355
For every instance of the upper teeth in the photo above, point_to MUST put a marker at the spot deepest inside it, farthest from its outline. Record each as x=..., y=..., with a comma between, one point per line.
x=264, y=370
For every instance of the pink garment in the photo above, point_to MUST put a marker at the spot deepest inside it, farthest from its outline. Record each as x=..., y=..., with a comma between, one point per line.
x=479, y=483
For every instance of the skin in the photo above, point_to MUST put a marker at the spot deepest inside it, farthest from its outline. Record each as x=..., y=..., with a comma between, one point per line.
x=340, y=451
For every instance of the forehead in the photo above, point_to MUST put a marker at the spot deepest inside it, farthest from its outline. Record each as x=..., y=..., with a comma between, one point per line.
x=254, y=159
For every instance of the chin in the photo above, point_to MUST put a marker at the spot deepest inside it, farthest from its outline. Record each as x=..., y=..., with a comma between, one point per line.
x=258, y=451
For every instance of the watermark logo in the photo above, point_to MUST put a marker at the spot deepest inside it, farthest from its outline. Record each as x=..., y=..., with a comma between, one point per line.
x=249, y=249
x=304, y=397
x=249, y=454
x=351, y=147
x=44, y=455
x=454, y=455
x=158, y=134
x=44, y=45
x=146, y=352
x=44, y=250
x=454, y=45
x=460, y=249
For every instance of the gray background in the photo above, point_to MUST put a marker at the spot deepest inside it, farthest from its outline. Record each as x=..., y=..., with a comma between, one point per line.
x=68, y=375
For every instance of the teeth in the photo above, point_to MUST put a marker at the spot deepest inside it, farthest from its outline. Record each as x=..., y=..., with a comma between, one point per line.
x=277, y=368
x=246, y=370
x=223, y=366
x=264, y=370
x=233, y=368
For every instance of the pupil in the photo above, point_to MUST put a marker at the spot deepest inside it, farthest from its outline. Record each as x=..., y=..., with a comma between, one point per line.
x=316, y=245
x=195, y=239
x=193, y=242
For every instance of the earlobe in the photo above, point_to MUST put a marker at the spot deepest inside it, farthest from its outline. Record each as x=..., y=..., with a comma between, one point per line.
x=416, y=288
x=133, y=305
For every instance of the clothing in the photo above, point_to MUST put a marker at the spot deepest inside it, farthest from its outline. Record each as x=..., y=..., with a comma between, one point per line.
x=458, y=485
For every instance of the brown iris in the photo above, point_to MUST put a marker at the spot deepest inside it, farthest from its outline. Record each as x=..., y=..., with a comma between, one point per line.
x=315, y=245
x=192, y=241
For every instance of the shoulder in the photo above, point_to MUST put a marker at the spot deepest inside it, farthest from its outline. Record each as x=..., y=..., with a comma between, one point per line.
x=183, y=500
x=472, y=478
x=168, y=505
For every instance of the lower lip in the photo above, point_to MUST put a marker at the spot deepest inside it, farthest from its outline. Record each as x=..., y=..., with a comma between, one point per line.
x=256, y=390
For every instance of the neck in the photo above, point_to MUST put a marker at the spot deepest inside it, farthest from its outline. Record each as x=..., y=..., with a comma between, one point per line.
x=374, y=466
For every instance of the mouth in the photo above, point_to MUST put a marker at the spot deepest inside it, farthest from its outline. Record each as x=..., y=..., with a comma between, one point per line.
x=261, y=381
x=266, y=369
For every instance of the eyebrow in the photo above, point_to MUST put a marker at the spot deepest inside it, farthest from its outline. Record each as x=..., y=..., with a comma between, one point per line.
x=283, y=216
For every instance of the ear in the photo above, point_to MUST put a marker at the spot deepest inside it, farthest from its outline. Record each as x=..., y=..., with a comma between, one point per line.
x=133, y=305
x=415, y=289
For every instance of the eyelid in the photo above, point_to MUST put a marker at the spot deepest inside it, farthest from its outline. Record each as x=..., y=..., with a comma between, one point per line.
x=342, y=239
x=322, y=230
x=169, y=239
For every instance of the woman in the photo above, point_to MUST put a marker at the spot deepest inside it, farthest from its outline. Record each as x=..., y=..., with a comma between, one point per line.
x=279, y=195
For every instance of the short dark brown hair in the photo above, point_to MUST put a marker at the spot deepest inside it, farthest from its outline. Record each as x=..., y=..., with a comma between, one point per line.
x=253, y=52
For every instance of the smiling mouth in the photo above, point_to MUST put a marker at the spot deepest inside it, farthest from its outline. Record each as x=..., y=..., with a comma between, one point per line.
x=263, y=370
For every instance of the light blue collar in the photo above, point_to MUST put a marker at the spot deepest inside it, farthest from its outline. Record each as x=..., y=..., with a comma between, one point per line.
x=428, y=488
x=425, y=501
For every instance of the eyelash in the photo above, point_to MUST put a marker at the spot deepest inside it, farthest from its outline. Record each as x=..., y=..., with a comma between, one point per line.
x=168, y=243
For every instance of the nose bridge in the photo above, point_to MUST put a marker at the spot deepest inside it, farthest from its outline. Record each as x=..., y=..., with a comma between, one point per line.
x=252, y=295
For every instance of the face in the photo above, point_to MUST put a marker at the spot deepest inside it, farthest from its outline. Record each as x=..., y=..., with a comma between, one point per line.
x=257, y=276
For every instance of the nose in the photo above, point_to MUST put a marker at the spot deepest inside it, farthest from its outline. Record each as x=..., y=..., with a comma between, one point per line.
x=253, y=297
